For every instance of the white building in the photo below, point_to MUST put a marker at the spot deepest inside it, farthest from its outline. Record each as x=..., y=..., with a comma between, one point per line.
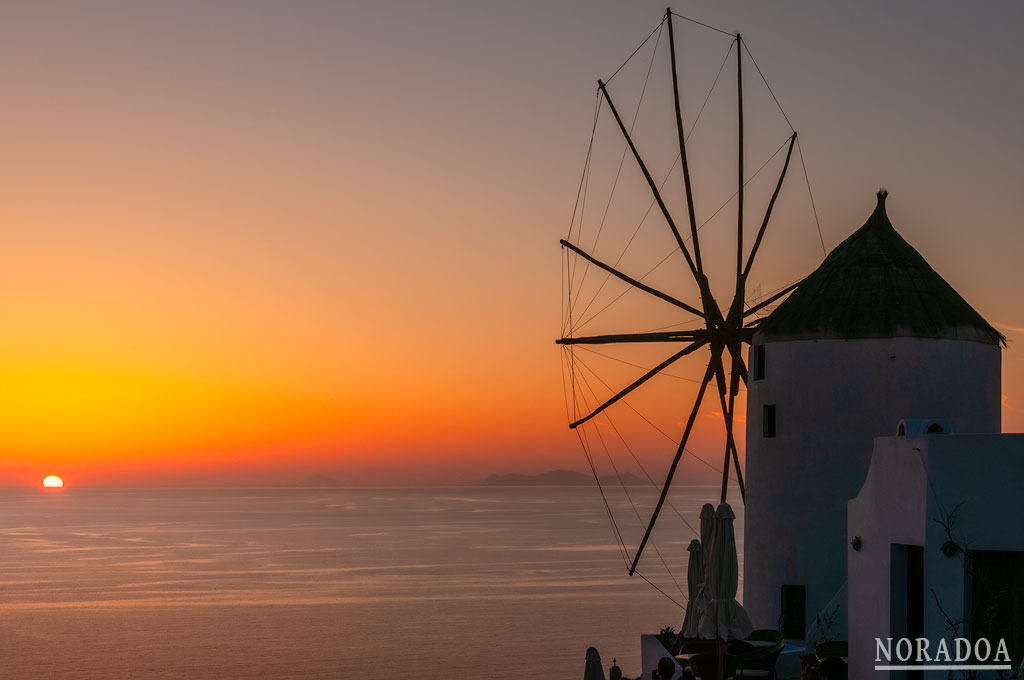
x=936, y=549
x=873, y=336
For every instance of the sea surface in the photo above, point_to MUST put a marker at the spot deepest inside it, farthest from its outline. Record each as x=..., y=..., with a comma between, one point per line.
x=501, y=583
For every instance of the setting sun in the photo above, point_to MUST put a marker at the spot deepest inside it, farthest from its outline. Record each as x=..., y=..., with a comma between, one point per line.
x=53, y=482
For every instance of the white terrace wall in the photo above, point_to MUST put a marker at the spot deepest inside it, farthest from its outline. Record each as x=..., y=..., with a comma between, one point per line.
x=912, y=483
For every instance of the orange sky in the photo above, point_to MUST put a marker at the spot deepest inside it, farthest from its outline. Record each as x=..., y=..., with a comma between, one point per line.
x=250, y=242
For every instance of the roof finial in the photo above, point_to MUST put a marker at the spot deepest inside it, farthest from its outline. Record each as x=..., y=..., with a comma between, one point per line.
x=880, y=207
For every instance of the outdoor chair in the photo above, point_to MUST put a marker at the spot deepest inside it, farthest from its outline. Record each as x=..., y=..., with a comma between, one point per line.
x=760, y=663
x=765, y=635
x=740, y=647
x=836, y=648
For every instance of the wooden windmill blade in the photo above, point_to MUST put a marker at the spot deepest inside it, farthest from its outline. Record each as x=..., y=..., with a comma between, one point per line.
x=723, y=335
x=689, y=349
x=631, y=281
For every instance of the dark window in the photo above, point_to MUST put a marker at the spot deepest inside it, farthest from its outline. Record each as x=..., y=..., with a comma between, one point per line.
x=793, y=621
x=901, y=431
x=759, y=362
x=768, y=420
x=934, y=428
x=906, y=596
x=996, y=588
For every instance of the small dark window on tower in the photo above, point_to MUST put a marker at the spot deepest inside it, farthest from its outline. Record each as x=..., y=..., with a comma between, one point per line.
x=768, y=420
x=759, y=362
x=793, y=619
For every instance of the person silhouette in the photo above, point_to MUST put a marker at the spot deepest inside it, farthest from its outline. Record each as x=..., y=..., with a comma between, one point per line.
x=666, y=669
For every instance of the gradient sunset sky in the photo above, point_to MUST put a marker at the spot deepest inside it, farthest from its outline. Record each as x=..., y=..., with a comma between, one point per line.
x=246, y=242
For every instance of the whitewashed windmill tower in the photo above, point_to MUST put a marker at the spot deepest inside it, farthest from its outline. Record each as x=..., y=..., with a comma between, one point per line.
x=872, y=337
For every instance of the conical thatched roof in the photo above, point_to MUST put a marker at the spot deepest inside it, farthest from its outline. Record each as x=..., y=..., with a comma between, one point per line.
x=875, y=285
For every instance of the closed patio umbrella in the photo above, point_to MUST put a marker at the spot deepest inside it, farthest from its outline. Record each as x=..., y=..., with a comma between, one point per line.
x=694, y=579
x=720, y=615
x=695, y=571
x=707, y=525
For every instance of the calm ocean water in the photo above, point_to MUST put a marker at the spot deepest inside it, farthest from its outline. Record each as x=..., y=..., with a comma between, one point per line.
x=502, y=583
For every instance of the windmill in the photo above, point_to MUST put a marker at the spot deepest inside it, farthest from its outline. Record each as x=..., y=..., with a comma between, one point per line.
x=725, y=328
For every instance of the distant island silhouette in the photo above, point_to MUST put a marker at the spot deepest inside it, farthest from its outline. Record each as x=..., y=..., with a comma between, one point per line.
x=557, y=478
